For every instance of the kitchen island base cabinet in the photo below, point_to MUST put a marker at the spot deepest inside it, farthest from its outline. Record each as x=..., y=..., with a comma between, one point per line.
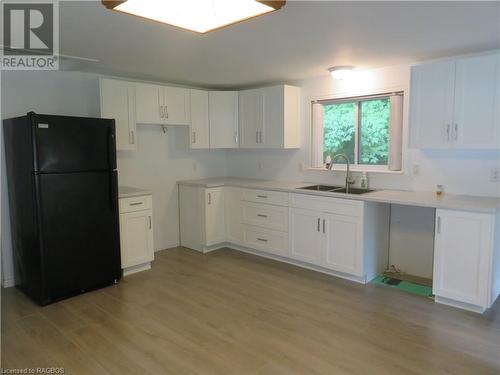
x=136, y=234
x=466, y=260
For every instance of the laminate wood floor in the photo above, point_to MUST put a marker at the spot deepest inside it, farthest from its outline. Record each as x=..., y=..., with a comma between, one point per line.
x=233, y=313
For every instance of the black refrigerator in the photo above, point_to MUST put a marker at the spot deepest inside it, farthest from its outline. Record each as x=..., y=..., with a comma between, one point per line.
x=63, y=199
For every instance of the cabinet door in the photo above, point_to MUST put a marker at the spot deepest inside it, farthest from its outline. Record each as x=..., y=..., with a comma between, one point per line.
x=148, y=104
x=476, y=121
x=431, y=107
x=215, y=227
x=232, y=205
x=305, y=235
x=136, y=230
x=199, y=119
x=176, y=102
x=250, y=115
x=118, y=102
x=462, y=256
x=272, y=118
x=342, y=244
x=223, y=114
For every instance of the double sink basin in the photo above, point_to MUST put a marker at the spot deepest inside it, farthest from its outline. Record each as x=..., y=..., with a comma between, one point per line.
x=335, y=189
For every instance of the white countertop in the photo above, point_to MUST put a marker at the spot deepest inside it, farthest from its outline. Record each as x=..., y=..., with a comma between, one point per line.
x=409, y=198
x=127, y=192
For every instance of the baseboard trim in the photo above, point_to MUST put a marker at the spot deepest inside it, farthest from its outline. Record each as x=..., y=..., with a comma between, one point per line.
x=8, y=283
x=460, y=305
x=134, y=269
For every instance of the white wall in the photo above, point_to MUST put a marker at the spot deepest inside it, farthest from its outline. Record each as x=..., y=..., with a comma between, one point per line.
x=160, y=161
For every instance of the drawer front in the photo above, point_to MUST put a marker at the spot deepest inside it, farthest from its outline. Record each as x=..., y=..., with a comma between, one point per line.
x=268, y=241
x=265, y=215
x=144, y=202
x=337, y=206
x=278, y=198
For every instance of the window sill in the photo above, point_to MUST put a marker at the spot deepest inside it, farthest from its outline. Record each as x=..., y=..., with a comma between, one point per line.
x=355, y=170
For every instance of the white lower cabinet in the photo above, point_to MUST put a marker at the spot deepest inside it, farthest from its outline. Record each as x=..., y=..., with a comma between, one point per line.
x=215, y=228
x=136, y=233
x=342, y=244
x=305, y=235
x=202, y=217
x=463, y=258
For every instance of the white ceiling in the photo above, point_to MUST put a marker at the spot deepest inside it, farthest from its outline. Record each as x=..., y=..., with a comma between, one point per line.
x=300, y=41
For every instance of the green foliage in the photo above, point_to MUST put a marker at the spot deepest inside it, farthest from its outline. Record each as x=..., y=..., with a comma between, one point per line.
x=339, y=130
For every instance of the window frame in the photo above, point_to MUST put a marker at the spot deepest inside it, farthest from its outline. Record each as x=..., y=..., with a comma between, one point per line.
x=349, y=98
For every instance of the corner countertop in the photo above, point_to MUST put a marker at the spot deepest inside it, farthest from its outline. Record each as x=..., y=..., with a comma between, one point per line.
x=409, y=198
x=128, y=192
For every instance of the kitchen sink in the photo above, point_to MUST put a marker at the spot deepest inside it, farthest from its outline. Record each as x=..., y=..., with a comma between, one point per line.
x=321, y=187
x=335, y=189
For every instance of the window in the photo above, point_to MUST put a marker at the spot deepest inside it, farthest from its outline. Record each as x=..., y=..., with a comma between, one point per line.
x=365, y=129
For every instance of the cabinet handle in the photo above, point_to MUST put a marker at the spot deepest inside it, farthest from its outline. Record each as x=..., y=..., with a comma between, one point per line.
x=439, y=224
x=194, y=137
x=319, y=220
x=132, y=137
x=149, y=222
x=448, y=132
x=260, y=215
x=161, y=111
x=260, y=137
x=262, y=239
x=262, y=196
x=166, y=110
x=136, y=203
x=456, y=132
x=236, y=137
x=209, y=198
x=324, y=226
x=256, y=137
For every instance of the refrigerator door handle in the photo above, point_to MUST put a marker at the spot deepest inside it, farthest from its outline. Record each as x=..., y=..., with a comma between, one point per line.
x=111, y=148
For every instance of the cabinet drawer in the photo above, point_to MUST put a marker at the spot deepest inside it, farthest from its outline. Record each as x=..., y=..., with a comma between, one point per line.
x=265, y=215
x=136, y=203
x=265, y=240
x=278, y=198
x=332, y=205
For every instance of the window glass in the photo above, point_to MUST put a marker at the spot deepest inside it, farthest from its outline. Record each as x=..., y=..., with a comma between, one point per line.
x=339, y=130
x=374, y=131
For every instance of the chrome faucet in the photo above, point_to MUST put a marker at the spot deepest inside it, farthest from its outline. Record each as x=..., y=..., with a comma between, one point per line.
x=348, y=178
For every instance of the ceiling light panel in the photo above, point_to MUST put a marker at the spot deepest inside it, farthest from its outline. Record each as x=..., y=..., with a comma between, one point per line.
x=196, y=15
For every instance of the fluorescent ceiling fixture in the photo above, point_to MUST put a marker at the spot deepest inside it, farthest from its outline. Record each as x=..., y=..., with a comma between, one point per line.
x=197, y=15
x=341, y=72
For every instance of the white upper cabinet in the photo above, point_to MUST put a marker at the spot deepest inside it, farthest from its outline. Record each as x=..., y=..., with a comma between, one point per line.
x=118, y=102
x=476, y=116
x=270, y=117
x=199, y=119
x=162, y=105
x=149, y=99
x=223, y=119
x=250, y=118
x=431, y=108
x=453, y=103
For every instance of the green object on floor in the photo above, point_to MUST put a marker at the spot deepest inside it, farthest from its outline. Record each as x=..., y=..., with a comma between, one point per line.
x=421, y=290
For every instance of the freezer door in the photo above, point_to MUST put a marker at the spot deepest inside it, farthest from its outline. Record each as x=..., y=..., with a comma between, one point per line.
x=79, y=231
x=71, y=144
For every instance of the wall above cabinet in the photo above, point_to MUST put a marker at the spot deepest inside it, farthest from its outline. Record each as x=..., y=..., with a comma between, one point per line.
x=454, y=104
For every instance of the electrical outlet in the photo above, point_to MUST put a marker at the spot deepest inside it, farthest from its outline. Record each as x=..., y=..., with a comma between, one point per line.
x=416, y=169
x=495, y=175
